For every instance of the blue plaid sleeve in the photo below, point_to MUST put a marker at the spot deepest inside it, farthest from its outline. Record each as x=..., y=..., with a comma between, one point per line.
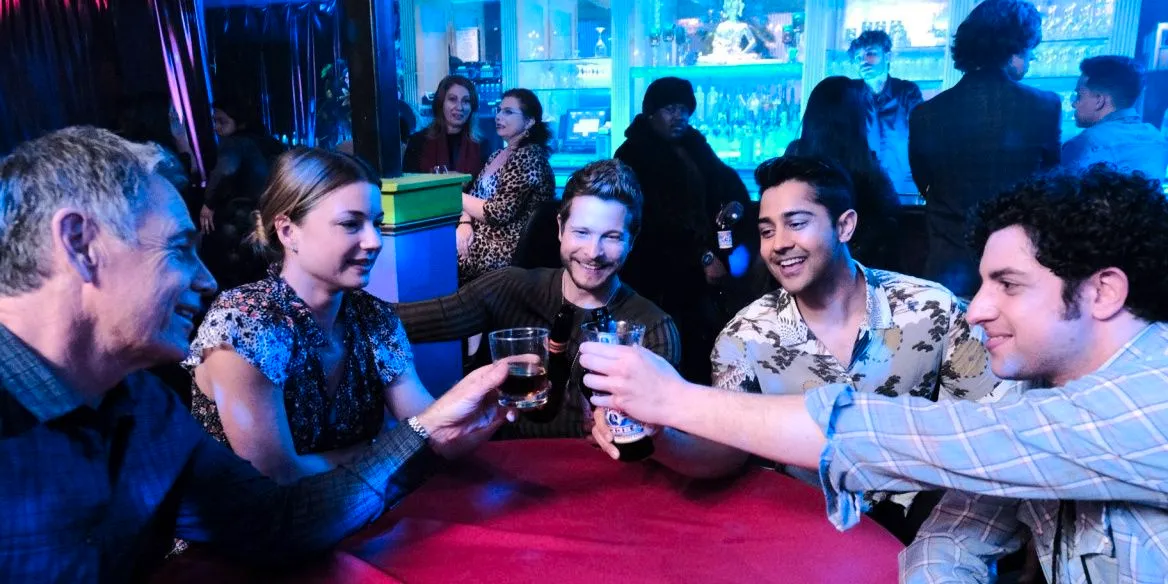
x=1102, y=437
x=963, y=537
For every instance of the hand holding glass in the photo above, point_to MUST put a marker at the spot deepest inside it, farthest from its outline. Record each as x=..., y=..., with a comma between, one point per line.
x=525, y=350
x=629, y=436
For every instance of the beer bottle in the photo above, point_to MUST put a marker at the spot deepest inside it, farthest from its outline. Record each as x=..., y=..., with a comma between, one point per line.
x=559, y=366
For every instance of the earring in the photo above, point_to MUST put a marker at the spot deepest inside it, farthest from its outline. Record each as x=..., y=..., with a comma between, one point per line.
x=295, y=249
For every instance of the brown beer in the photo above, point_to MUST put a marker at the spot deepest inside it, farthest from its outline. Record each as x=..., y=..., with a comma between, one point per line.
x=524, y=383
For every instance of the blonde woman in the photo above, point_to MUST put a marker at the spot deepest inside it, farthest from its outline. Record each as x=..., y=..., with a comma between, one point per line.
x=299, y=371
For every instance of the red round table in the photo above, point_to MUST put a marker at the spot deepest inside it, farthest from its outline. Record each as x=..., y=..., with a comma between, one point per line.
x=561, y=511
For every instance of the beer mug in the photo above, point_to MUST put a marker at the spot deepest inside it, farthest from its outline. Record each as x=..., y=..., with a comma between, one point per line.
x=525, y=350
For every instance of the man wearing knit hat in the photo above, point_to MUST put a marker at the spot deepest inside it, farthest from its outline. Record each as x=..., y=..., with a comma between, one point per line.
x=677, y=263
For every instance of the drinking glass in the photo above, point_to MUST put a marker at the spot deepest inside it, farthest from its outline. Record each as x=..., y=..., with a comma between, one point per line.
x=525, y=350
x=628, y=434
x=613, y=332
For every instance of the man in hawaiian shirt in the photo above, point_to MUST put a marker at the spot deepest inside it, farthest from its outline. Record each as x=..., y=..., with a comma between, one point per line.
x=835, y=321
x=1075, y=452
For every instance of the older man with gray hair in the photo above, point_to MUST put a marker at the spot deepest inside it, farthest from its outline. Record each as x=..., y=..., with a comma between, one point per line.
x=101, y=465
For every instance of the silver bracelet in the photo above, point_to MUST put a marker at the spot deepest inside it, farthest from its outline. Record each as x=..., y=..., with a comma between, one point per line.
x=416, y=426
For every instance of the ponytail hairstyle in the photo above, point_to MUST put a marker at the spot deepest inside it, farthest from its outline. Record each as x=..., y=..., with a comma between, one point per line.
x=529, y=104
x=300, y=179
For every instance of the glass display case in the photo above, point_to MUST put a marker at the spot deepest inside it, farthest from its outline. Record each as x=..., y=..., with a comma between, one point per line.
x=751, y=62
x=919, y=30
x=1159, y=53
x=745, y=61
x=564, y=57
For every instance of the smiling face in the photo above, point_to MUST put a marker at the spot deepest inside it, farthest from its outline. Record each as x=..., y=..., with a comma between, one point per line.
x=148, y=294
x=801, y=245
x=510, y=121
x=337, y=242
x=456, y=108
x=594, y=242
x=1032, y=334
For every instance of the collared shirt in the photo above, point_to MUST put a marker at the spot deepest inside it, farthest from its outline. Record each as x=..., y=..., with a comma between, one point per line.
x=97, y=494
x=1122, y=139
x=1094, y=453
x=914, y=340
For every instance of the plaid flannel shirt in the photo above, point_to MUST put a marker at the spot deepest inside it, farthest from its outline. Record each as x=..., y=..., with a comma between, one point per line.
x=1085, y=466
x=97, y=494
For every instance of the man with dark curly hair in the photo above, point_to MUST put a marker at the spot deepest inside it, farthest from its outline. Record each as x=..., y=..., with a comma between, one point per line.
x=983, y=135
x=1076, y=451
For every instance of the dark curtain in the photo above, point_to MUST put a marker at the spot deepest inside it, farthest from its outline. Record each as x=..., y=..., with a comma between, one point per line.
x=285, y=59
x=183, y=48
x=58, y=67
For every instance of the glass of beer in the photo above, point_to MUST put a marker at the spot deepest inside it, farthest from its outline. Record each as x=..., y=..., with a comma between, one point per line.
x=525, y=350
x=629, y=435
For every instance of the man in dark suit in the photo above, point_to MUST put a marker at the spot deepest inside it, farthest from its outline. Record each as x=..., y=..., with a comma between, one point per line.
x=985, y=134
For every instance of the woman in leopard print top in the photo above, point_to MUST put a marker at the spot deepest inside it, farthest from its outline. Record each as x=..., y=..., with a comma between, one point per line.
x=515, y=182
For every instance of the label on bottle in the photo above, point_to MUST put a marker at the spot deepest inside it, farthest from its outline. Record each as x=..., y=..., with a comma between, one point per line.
x=624, y=429
x=725, y=239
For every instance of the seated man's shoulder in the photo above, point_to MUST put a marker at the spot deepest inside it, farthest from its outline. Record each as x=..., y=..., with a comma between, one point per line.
x=153, y=398
x=15, y=419
x=764, y=316
x=514, y=276
x=645, y=309
x=147, y=389
x=909, y=293
x=1145, y=377
x=527, y=275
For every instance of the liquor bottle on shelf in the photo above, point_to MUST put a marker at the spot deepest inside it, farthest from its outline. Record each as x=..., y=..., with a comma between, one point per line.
x=899, y=35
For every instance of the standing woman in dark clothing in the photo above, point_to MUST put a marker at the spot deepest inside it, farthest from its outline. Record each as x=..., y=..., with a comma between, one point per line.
x=233, y=192
x=450, y=140
x=837, y=126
